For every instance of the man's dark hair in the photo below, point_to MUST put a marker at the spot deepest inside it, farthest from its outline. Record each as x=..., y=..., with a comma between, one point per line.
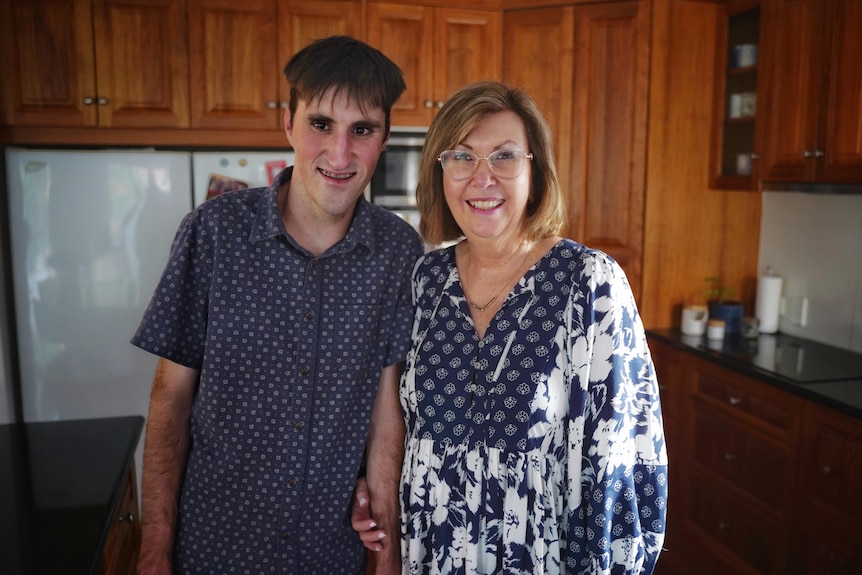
x=343, y=63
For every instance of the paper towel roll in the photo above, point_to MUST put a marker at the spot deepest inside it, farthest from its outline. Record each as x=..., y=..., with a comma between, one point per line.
x=768, y=303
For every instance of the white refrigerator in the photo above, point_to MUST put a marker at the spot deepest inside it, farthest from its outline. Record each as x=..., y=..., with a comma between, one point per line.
x=90, y=233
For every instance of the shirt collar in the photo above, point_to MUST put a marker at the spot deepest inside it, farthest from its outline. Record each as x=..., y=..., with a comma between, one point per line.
x=269, y=224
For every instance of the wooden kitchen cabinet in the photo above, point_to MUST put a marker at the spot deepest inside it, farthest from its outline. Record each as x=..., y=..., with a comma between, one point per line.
x=123, y=544
x=738, y=130
x=439, y=50
x=814, y=122
x=587, y=67
x=106, y=63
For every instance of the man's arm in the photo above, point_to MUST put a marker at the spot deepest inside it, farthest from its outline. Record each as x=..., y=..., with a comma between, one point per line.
x=385, y=453
x=166, y=449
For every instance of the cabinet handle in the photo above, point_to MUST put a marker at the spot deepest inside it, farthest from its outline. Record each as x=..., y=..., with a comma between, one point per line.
x=429, y=104
x=440, y=103
x=102, y=101
x=734, y=400
x=813, y=153
x=271, y=105
x=663, y=388
x=723, y=526
x=729, y=456
x=819, y=153
x=88, y=101
x=130, y=517
x=755, y=156
x=828, y=470
x=282, y=105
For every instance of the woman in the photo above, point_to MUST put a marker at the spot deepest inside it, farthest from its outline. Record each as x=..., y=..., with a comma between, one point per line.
x=534, y=432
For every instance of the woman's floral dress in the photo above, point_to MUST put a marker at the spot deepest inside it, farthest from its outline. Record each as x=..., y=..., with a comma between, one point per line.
x=538, y=449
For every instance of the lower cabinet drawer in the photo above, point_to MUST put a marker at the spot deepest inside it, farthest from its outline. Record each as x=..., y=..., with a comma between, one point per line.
x=734, y=529
x=755, y=463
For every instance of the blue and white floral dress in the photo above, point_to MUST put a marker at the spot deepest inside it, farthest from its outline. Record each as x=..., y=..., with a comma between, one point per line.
x=539, y=448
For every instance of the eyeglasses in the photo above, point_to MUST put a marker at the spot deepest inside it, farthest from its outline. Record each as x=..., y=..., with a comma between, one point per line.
x=461, y=164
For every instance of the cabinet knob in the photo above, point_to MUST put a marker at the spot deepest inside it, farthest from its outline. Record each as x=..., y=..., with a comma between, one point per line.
x=102, y=101
x=734, y=400
x=429, y=104
x=271, y=105
x=89, y=101
x=819, y=153
x=828, y=470
x=729, y=456
x=440, y=103
x=755, y=156
x=813, y=153
x=723, y=526
x=282, y=105
x=129, y=517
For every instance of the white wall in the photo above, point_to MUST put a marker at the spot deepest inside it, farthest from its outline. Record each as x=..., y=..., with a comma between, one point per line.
x=814, y=241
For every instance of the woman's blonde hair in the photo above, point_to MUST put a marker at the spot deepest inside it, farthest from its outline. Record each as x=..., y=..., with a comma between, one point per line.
x=456, y=119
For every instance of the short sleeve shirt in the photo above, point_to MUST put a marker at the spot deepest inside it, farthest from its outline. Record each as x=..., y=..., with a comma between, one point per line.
x=290, y=348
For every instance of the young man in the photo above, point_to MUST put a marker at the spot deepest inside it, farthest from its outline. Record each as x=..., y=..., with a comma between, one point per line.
x=280, y=313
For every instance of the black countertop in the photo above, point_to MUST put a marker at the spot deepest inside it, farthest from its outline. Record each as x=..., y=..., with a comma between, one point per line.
x=825, y=374
x=60, y=483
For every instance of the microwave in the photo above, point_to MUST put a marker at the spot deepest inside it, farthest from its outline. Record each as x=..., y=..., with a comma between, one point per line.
x=393, y=184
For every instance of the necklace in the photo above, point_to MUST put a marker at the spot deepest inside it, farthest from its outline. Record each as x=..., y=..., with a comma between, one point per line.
x=481, y=308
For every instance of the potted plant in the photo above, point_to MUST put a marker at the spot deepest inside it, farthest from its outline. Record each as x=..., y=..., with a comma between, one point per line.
x=721, y=306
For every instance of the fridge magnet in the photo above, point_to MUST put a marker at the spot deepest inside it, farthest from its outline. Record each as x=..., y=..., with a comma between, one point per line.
x=220, y=184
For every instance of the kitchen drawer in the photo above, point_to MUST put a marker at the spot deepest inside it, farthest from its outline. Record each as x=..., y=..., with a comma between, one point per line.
x=758, y=465
x=763, y=406
x=120, y=554
x=748, y=540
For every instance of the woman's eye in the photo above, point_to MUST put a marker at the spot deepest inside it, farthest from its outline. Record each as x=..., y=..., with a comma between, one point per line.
x=465, y=157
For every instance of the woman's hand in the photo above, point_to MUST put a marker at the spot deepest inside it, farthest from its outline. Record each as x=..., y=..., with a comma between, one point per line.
x=362, y=521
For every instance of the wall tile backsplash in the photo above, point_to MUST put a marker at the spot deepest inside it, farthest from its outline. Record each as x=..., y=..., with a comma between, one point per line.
x=814, y=241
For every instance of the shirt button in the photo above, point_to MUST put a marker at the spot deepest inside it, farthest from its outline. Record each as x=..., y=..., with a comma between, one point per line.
x=303, y=371
x=309, y=315
x=292, y=481
x=298, y=425
x=285, y=535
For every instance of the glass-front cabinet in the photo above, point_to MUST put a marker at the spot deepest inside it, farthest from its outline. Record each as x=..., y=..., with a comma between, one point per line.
x=736, y=134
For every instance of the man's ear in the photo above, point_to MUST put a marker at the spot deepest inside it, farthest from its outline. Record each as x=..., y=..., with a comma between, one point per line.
x=288, y=126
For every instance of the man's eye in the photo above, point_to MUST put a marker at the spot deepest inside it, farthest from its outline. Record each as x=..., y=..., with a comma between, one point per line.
x=319, y=125
x=362, y=131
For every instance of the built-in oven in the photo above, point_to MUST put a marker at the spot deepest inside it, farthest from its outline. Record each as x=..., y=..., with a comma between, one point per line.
x=393, y=184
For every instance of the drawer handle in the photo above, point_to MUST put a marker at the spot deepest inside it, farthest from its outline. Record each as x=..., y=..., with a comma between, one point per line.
x=723, y=526
x=828, y=470
x=130, y=517
x=729, y=456
x=734, y=400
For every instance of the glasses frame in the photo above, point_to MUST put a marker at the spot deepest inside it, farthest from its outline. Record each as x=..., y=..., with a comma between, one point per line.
x=523, y=156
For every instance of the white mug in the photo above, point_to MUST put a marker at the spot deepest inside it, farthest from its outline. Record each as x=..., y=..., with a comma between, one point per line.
x=694, y=320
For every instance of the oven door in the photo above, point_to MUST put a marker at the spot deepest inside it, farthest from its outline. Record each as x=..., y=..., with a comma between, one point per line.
x=393, y=184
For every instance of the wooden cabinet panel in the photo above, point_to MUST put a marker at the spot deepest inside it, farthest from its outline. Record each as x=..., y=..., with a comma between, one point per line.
x=538, y=46
x=234, y=72
x=439, y=50
x=301, y=22
x=123, y=544
x=814, y=128
x=610, y=97
x=142, y=63
x=107, y=63
x=405, y=34
x=48, y=62
x=759, y=466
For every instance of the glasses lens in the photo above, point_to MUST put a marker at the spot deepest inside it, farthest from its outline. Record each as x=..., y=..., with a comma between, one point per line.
x=506, y=164
x=458, y=164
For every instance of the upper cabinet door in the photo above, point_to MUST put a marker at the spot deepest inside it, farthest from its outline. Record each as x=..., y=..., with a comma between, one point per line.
x=814, y=131
x=406, y=35
x=49, y=70
x=234, y=68
x=467, y=49
x=142, y=63
x=796, y=41
x=843, y=104
x=609, y=121
x=300, y=22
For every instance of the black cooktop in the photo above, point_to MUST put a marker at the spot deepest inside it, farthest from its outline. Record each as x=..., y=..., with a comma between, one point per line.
x=799, y=360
